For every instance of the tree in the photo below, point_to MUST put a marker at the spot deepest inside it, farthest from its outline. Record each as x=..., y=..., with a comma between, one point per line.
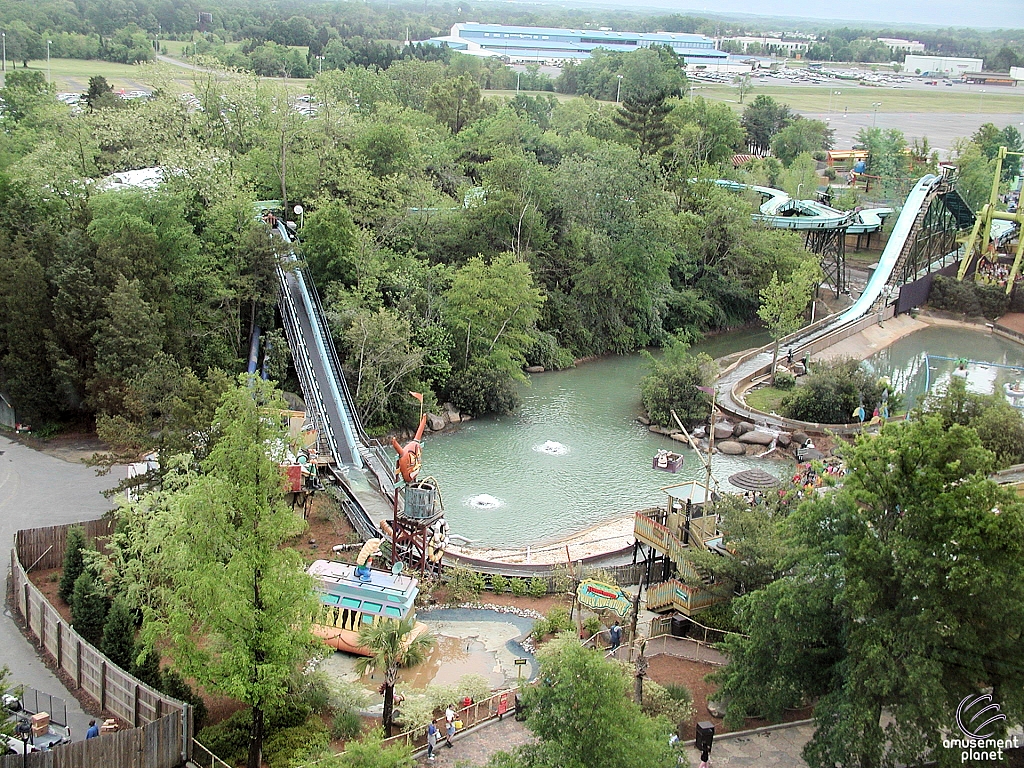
x=762, y=119
x=801, y=136
x=391, y=649
x=673, y=384
x=74, y=562
x=329, y=243
x=783, y=304
x=23, y=93
x=643, y=115
x=119, y=636
x=880, y=612
x=237, y=606
x=454, y=102
x=582, y=694
x=834, y=391
x=886, y=154
x=89, y=606
x=100, y=92
x=998, y=424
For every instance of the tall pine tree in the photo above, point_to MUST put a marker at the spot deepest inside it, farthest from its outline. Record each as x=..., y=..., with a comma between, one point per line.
x=643, y=114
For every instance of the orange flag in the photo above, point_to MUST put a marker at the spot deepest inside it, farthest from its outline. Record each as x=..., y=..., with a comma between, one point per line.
x=418, y=396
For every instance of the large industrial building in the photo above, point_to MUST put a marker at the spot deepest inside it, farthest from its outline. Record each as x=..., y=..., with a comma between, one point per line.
x=951, y=66
x=553, y=46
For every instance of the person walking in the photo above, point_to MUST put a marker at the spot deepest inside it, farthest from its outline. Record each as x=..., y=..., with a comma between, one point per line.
x=449, y=725
x=615, y=635
x=94, y=730
x=431, y=739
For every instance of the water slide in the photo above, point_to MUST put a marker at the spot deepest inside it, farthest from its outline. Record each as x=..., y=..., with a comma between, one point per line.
x=780, y=211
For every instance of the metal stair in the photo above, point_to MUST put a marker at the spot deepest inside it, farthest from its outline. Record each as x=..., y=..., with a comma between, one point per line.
x=957, y=206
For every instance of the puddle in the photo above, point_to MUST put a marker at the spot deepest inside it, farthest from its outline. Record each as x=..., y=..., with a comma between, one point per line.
x=468, y=642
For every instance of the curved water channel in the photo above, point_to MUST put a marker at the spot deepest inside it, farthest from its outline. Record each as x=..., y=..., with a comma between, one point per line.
x=571, y=457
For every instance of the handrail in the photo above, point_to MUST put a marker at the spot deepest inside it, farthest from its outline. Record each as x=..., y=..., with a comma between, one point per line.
x=214, y=761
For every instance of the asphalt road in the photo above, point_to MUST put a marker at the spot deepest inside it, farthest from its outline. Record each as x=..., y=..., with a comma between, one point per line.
x=37, y=490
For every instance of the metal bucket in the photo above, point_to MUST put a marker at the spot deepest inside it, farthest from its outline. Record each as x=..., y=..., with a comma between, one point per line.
x=420, y=500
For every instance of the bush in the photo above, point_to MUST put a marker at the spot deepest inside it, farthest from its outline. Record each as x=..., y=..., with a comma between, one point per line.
x=499, y=584
x=659, y=703
x=672, y=385
x=482, y=389
x=312, y=689
x=89, y=608
x=174, y=685
x=592, y=625
x=830, y=174
x=297, y=741
x=463, y=584
x=147, y=668
x=833, y=392
x=519, y=586
x=556, y=621
x=968, y=298
x=74, y=563
x=229, y=739
x=784, y=380
x=538, y=587
x=545, y=351
x=346, y=725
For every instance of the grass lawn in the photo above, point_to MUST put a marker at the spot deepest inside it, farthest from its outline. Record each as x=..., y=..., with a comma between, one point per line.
x=859, y=98
x=766, y=399
x=73, y=74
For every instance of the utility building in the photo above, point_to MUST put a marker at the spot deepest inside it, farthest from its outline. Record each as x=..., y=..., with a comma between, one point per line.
x=950, y=66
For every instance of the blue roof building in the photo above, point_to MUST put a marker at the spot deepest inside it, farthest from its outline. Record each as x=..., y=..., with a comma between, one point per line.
x=552, y=45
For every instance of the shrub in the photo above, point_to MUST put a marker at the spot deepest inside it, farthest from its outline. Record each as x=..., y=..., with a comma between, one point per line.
x=482, y=389
x=561, y=579
x=349, y=695
x=88, y=608
x=297, y=741
x=464, y=584
x=74, y=563
x=830, y=174
x=784, y=380
x=346, y=725
x=229, y=739
x=519, y=586
x=545, y=351
x=147, y=668
x=968, y=298
x=592, y=625
x=499, y=584
x=174, y=685
x=538, y=587
x=659, y=703
x=672, y=385
x=558, y=619
x=833, y=392
x=313, y=689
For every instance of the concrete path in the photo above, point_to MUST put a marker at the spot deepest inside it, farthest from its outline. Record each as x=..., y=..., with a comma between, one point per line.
x=475, y=747
x=778, y=747
x=864, y=344
x=37, y=490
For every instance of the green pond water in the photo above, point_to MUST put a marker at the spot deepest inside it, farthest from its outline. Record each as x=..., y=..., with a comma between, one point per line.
x=904, y=361
x=571, y=457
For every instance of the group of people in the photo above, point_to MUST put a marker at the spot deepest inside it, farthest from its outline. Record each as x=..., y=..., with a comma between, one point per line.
x=434, y=732
x=994, y=273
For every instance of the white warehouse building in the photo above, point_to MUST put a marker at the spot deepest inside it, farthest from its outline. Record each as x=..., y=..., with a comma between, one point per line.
x=951, y=66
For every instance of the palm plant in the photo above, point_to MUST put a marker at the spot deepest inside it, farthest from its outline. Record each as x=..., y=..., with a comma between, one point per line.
x=392, y=646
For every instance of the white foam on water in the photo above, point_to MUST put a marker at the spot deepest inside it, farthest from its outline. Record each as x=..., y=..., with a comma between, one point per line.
x=552, y=448
x=484, y=501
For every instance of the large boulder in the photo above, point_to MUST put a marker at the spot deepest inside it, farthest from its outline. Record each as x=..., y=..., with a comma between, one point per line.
x=451, y=413
x=756, y=437
x=731, y=448
x=699, y=432
x=799, y=437
x=435, y=423
x=742, y=428
x=679, y=437
x=660, y=430
x=535, y=369
x=644, y=420
x=785, y=439
x=723, y=430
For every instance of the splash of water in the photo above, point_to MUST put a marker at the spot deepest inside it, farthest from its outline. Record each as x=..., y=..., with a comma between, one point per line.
x=484, y=501
x=552, y=448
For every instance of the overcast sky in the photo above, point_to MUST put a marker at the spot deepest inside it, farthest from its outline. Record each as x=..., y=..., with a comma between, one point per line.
x=960, y=13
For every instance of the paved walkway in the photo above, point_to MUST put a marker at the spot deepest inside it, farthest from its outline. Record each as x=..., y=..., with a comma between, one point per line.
x=776, y=748
x=475, y=747
x=37, y=490
x=864, y=344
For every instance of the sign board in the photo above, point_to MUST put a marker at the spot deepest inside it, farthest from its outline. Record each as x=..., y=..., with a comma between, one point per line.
x=520, y=662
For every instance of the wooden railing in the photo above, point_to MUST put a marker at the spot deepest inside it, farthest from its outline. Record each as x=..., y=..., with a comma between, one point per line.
x=476, y=713
x=684, y=598
x=653, y=533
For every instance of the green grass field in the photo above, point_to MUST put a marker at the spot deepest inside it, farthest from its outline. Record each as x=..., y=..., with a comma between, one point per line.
x=766, y=399
x=74, y=74
x=862, y=98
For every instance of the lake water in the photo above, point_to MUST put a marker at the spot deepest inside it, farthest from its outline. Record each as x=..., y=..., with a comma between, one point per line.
x=571, y=457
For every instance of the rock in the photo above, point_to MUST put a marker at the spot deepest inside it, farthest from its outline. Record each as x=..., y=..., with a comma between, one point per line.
x=799, y=437
x=644, y=420
x=717, y=708
x=798, y=369
x=699, y=432
x=813, y=454
x=723, y=430
x=731, y=448
x=451, y=413
x=660, y=430
x=436, y=423
x=742, y=428
x=756, y=437
x=679, y=437
x=535, y=369
x=785, y=439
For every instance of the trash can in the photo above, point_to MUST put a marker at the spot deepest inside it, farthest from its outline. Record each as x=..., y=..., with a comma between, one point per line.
x=680, y=626
x=705, y=736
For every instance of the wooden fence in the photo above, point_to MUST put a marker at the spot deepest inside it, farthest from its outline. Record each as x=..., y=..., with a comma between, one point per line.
x=164, y=745
x=154, y=745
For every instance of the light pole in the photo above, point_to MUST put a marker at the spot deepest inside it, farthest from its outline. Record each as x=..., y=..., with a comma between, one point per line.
x=518, y=75
x=48, y=42
x=981, y=99
x=3, y=35
x=618, y=90
x=830, y=92
x=874, y=119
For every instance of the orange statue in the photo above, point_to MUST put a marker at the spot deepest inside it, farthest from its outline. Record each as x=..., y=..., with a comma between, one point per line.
x=408, y=465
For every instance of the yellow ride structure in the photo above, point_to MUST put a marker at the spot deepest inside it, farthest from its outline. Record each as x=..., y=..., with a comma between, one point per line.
x=981, y=234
